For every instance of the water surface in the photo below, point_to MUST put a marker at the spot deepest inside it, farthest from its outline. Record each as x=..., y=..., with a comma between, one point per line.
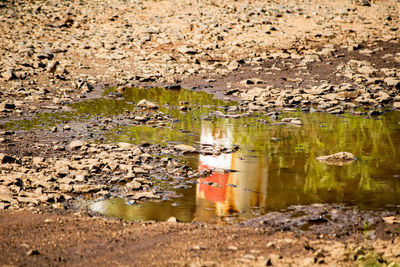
x=274, y=168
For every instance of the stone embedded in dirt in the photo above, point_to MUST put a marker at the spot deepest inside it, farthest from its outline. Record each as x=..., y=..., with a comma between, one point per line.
x=9, y=75
x=134, y=185
x=172, y=220
x=396, y=105
x=365, y=2
x=6, y=196
x=76, y=144
x=391, y=81
x=7, y=159
x=292, y=121
x=125, y=145
x=391, y=220
x=85, y=188
x=232, y=248
x=340, y=158
x=147, y=104
x=6, y=105
x=65, y=188
x=32, y=252
x=187, y=49
x=252, y=81
x=185, y=148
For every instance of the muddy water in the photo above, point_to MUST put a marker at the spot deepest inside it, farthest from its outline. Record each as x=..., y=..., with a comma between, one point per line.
x=275, y=166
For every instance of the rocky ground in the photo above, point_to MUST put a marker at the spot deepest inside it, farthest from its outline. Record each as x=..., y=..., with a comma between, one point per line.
x=331, y=56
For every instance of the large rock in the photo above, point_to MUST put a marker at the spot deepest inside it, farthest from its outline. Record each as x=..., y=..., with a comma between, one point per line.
x=147, y=104
x=340, y=158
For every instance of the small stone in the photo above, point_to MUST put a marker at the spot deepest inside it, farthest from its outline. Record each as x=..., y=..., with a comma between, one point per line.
x=233, y=248
x=340, y=158
x=197, y=247
x=252, y=81
x=9, y=75
x=32, y=252
x=7, y=159
x=134, y=185
x=375, y=113
x=85, y=188
x=365, y=3
x=292, y=121
x=58, y=148
x=172, y=220
x=185, y=148
x=6, y=105
x=76, y=144
x=391, y=220
x=390, y=81
x=52, y=67
x=147, y=104
x=67, y=127
x=186, y=49
x=125, y=145
x=138, y=170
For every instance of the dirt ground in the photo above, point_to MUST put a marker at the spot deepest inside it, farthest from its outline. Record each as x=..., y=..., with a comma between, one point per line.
x=49, y=239
x=339, y=54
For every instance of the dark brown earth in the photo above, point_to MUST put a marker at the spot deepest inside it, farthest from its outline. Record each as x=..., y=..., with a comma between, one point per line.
x=54, y=239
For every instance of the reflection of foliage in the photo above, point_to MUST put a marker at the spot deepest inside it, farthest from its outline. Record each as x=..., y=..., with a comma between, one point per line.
x=292, y=164
x=294, y=176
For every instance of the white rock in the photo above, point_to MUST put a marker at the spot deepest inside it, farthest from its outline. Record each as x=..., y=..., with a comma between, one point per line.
x=147, y=104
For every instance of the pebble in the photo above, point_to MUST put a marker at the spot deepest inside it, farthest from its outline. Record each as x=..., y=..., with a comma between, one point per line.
x=76, y=144
x=147, y=104
x=232, y=248
x=185, y=148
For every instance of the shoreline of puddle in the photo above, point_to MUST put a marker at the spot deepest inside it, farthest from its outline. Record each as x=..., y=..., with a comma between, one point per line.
x=274, y=169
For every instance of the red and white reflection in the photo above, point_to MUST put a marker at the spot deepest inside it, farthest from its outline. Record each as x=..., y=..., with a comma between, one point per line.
x=224, y=193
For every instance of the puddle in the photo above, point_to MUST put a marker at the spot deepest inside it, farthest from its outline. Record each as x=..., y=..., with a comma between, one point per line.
x=274, y=168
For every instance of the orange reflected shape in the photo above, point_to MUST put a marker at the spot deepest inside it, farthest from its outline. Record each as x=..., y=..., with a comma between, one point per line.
x=214, y=194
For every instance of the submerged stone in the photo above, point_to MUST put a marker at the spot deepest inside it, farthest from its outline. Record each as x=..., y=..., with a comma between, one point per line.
x=340, y=158
x=185, y=148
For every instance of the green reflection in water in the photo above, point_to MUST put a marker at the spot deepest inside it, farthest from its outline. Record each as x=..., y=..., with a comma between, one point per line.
x=275, y=166
x=181, y=208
